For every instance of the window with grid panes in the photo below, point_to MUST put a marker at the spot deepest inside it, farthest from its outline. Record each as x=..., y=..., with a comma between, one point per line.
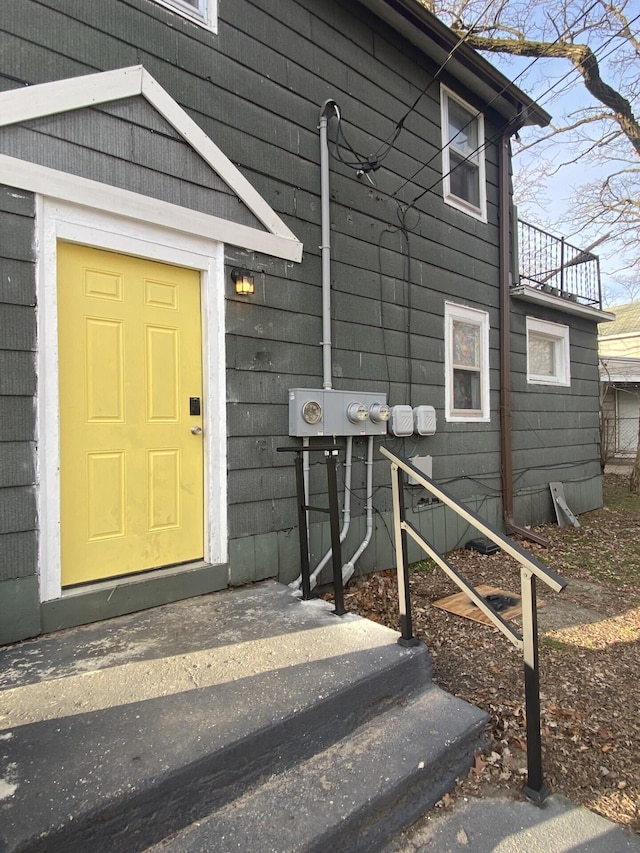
x=463, y=161
x=466, y=363
x=548, y=354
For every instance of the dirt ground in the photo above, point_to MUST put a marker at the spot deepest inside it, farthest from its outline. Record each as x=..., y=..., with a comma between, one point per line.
x=589, y=658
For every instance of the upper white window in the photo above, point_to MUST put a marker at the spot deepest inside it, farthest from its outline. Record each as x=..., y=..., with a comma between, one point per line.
x=202, y=12
x=548, y=357
x=466, y=340
x=463, y=168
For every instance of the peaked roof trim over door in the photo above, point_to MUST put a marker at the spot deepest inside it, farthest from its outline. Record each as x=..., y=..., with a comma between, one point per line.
x=60, y=96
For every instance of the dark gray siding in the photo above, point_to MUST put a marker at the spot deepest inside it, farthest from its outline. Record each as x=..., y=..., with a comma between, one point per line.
x=256, y=88
x=129, y=146
x=378, y=319
x=18, y=543
x=556, y=431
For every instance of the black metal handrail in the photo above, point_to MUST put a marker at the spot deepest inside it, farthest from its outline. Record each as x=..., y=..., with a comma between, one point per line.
x=331, y=453
x=530, y=570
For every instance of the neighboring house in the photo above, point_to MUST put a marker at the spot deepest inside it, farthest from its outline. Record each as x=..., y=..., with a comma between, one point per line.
x=153, y=153
x=619, y=348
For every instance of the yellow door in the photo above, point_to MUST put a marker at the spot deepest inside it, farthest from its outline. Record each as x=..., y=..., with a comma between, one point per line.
x=131, y=451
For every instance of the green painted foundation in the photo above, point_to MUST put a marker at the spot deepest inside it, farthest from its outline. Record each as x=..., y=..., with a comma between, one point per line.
x=115, y=598
x=19, y=609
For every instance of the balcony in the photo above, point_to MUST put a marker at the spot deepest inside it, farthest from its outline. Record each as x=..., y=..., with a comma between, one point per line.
x=552, y=266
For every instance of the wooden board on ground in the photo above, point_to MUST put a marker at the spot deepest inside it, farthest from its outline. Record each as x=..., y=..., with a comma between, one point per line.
x=461, y=605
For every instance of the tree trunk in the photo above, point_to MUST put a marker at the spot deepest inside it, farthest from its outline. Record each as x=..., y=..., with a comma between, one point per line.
x=634, y=482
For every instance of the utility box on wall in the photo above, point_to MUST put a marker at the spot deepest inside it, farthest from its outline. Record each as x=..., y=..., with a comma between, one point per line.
x=321, y=411
x=424, y=420
x=424, y=464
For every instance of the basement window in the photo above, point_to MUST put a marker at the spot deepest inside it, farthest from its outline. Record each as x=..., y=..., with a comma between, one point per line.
x=548, y=357
x=463, y=167
x=466, y=340
x=201, y=12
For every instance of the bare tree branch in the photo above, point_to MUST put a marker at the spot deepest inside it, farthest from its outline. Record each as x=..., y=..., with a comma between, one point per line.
x=583, y=60
x=598, y=42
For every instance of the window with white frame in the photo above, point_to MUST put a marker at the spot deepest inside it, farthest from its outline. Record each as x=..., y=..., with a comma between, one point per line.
x=466, y=340
x=201, y=12
x=463, y=167
x=548, y=355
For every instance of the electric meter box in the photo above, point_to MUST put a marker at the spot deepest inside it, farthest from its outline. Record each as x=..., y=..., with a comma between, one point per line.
x=322, y=411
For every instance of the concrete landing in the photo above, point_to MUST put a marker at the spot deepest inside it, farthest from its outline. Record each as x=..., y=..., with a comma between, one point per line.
x=117, y=735
x=500, y=825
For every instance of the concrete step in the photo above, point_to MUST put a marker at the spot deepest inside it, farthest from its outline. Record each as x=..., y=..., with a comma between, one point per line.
x=355, y=794
x=115, y=735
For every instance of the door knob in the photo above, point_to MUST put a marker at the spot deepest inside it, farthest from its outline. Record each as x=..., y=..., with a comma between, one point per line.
x=196, y=430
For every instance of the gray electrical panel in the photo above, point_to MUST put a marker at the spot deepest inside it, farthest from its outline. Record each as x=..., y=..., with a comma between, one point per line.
x=320, y=411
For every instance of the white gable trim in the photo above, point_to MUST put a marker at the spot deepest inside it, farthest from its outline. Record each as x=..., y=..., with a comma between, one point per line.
x=74, y=93
x=60, y=96
x=66, y=187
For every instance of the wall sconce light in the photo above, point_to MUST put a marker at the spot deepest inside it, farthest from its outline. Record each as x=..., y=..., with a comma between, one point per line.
x=243, y=281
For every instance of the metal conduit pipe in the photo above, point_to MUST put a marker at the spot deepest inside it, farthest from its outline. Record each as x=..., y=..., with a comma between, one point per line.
x=327, y=107
x=327, y=381
x=325, y=247
x=325, y=250
x=349, y=567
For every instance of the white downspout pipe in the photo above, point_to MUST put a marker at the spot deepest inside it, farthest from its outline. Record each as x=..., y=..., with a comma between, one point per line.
x=349, y=567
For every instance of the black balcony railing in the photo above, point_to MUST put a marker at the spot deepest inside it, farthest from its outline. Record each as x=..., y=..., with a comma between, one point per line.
x=554, y=266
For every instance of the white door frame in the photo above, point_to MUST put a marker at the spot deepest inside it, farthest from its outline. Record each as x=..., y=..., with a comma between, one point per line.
x=89, y=225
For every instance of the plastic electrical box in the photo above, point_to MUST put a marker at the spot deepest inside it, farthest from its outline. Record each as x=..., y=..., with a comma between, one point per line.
x=424, y=420
x=423, y=464
x=321, y=411
x=482, y=545
x=401, y=420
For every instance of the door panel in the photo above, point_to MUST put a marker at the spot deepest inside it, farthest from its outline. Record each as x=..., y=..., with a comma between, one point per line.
x=130, y=357
x=105, y=370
